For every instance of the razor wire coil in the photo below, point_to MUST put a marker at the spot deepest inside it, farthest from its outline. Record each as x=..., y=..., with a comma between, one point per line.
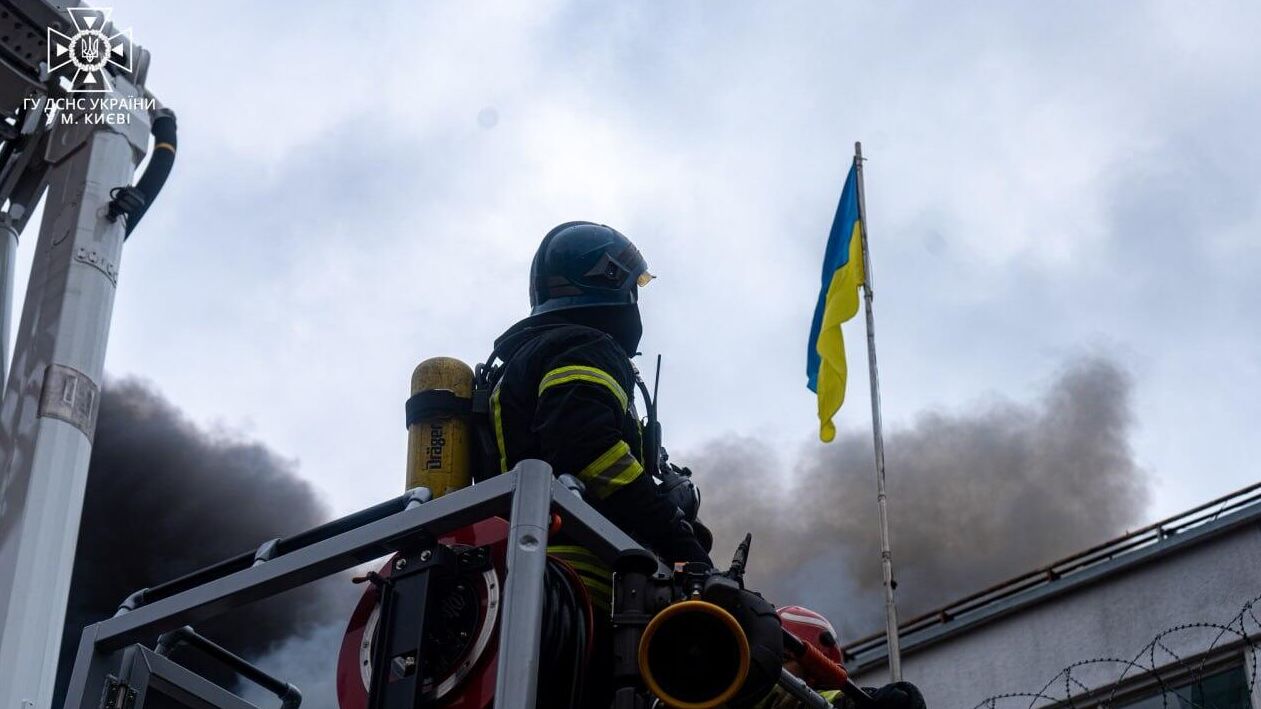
x=1156, y=661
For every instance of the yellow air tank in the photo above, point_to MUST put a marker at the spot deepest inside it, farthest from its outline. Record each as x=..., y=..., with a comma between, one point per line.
x=439, y=429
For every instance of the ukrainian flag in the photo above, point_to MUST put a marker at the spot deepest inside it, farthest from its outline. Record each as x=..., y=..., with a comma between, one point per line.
x=838, y=302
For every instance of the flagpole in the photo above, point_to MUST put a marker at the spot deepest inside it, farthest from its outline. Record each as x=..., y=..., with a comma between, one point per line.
x=877, y=432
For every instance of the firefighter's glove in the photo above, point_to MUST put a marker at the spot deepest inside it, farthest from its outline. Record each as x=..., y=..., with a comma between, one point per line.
x=703, y=535
x=763, y=632
x=899, y=695
x=677, y=487
x=681, y=545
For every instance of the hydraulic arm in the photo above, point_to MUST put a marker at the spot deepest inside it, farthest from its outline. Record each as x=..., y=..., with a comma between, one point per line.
x=75, y=123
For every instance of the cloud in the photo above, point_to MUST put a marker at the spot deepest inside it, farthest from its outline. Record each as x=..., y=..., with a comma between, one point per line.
x=1035, y=185
x=165, y=498
x=974, y=497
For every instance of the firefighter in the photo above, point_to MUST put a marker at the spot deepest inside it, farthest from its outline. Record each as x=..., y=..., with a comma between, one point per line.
x=565, y=391
x=564, y=395
x=811, y=628
x=814, y=629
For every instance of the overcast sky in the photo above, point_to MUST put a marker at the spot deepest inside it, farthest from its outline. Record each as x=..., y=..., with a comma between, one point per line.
x=360, y=189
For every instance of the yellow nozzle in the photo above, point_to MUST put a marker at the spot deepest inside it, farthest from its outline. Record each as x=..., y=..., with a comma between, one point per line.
x=694, y=655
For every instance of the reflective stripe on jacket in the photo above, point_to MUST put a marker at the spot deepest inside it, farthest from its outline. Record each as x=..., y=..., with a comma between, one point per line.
x=564, y=396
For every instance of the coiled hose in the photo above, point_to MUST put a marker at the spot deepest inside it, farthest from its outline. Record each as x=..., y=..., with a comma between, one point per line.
x=565, y=649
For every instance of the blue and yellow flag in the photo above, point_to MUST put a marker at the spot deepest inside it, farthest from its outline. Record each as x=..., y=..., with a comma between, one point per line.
x=838, y=302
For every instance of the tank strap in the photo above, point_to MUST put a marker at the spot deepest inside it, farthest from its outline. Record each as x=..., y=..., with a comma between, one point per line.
x=436, y=402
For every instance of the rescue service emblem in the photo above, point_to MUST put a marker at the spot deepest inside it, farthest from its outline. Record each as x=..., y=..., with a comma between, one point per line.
x=82, y=57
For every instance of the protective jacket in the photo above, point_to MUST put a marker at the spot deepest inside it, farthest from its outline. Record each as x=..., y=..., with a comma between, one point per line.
x=564, y=395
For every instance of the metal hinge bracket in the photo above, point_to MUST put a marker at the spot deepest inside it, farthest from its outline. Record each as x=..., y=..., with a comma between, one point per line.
x=117, y=695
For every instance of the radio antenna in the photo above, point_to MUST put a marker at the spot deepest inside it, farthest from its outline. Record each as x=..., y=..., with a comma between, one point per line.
x=656, y=381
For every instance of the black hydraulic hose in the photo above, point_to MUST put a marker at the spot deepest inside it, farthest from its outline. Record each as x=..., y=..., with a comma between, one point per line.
x=160, y=164
x=132, y=202
x=290, y=696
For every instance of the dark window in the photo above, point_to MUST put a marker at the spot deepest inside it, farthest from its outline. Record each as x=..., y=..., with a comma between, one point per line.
x=1227, y=689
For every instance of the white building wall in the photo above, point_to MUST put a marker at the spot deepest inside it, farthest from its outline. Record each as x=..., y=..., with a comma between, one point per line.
x=1115, y=617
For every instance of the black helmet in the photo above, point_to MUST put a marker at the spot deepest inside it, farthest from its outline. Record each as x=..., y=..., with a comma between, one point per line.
x=582, y=264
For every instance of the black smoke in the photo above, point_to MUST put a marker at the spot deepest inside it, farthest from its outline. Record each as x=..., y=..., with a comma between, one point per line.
x=165, y=497
x=974, y=497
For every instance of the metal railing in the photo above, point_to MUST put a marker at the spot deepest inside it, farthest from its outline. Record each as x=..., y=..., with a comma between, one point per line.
x=1068, y=566
x=112, y=653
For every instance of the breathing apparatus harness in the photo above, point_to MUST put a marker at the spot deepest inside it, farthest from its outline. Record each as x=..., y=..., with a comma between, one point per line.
x=672, y=481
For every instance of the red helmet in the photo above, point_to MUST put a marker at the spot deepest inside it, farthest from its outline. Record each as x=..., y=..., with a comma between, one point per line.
x=812, y=629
